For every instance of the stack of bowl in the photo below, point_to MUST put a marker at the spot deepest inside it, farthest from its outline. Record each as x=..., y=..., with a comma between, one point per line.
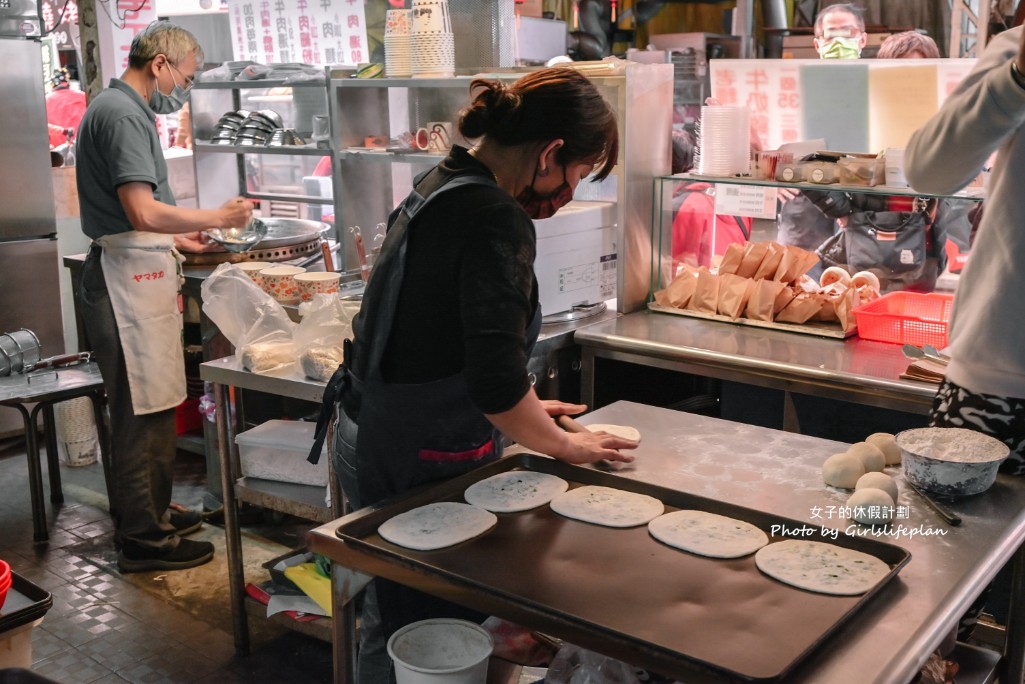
x=227, y=127
x=433, y=42
x=284, y=136
x=258, y=128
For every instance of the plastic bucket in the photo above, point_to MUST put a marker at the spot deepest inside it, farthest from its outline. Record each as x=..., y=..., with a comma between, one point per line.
x=440, y=651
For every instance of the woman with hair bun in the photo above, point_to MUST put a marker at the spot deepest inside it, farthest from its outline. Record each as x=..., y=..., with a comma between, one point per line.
x=436, y=374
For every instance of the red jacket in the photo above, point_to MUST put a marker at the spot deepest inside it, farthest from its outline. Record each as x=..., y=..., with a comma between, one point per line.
x=64, y=109
x=698, y=233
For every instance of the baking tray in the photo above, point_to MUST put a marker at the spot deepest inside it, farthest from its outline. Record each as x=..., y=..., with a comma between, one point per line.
x=25, y=603
x=618, y=591
x=817, y=328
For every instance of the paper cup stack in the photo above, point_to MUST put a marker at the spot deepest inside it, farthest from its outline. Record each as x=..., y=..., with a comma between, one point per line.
x=434, y=50
x=724, y=141
x=398, y=43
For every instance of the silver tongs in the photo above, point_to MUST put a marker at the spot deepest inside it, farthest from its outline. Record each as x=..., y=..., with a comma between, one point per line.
x=926, y=351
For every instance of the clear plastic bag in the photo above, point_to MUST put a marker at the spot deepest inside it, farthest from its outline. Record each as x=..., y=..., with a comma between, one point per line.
x=221, y=73
x=575, y=665
x=256, y=324
x=318, y=339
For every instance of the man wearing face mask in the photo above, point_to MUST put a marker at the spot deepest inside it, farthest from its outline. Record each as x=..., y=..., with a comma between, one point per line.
x=839, y=34
x=128, y=294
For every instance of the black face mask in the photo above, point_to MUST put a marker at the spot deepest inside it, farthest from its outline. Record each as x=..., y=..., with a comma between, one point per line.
x=540, y=206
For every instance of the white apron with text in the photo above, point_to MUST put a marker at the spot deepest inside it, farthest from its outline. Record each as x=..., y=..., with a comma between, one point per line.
x=141, y=270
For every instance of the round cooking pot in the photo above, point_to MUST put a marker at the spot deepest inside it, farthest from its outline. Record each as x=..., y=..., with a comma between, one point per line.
x=951, y=461
x=18, y=349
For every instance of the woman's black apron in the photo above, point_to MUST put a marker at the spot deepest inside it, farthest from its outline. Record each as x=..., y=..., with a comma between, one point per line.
x=392, y=437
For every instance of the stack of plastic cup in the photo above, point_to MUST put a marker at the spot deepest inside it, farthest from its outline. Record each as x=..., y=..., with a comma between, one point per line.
x=434, y=51
x=398, y=45
x=724, y=141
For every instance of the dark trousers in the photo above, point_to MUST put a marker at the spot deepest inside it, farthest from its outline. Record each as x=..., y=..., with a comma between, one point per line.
x=139, y=470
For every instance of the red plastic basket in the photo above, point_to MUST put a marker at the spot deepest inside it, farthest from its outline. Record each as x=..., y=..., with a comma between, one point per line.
x=906, y=317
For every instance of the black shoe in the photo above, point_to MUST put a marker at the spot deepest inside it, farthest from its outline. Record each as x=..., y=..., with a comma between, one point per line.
x=184, y=521
x=187, y=554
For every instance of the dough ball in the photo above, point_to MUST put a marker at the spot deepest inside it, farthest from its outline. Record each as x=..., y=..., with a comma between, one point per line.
x=871, y=506
x=834, y=274
x=862, y=278
x=887, y=444
x=842, y=470
x=878, y=481
x=869, y=454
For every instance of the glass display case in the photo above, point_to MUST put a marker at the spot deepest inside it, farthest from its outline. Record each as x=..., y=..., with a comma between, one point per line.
x=691, y=225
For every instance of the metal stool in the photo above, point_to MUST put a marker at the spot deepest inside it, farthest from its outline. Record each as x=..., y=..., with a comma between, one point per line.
x=44, y=390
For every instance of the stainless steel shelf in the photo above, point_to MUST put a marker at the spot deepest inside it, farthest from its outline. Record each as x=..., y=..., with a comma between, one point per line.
x=310, y=150
x=302, y=501
x=391, y=157
x=973, y=194
x=257, y=84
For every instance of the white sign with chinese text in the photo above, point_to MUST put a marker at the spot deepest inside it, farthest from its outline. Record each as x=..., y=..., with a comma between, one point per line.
x=308, y=31
x=745, y=200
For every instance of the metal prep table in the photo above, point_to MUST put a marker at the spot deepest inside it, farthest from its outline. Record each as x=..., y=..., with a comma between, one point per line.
x=780, y=472
x=303, y=501
x=44, y=389
x=851, y=370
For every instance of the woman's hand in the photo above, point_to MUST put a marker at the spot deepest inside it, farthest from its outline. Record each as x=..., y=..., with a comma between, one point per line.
x=555, y=408
x=588, y=447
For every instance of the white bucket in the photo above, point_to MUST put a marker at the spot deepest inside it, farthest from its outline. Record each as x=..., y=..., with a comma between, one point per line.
x=440, y=651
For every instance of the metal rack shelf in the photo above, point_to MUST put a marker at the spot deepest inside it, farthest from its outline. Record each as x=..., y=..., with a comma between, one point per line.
x=287, y=150
x=973, y=194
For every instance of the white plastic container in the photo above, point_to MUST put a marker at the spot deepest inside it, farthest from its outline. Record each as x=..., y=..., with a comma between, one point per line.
x=440, y=651
x=277, y=450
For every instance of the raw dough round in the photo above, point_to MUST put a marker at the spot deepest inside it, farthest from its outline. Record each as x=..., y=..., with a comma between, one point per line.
x=887, y=444
x=437, y=525
x=707, y=534
x=871, y=455
x=624, y=431
x=842, y=470
x=871, y=506
x=820, y=567
x=607, y=506
x=878, y=481
x=517, y=490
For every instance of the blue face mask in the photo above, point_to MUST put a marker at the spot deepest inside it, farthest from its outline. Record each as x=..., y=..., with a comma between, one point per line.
x=168, y=104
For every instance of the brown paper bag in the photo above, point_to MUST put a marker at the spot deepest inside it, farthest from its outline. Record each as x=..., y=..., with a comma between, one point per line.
x=763, y=296
x=680, y=291
x=770, y=262
x=800, y=309
x=785, y=295
x=734, y=292
x=754, y=252
x=706, y=293
x=731, y=259
x=846, y=305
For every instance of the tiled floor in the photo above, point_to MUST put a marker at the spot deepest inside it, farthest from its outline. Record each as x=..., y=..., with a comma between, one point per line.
x=149, y=627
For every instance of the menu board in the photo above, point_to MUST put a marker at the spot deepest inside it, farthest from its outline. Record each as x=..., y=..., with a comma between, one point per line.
x=790, y=100
x=308, y=31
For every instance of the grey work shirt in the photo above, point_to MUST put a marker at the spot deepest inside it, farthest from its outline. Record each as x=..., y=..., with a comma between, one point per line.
x=117, y=144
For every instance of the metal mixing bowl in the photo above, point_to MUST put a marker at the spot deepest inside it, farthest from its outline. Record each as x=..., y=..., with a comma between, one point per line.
x=951, y=461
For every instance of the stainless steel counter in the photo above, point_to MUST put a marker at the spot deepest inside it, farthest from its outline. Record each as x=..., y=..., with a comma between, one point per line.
x=778, y=472
x=853, y=370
